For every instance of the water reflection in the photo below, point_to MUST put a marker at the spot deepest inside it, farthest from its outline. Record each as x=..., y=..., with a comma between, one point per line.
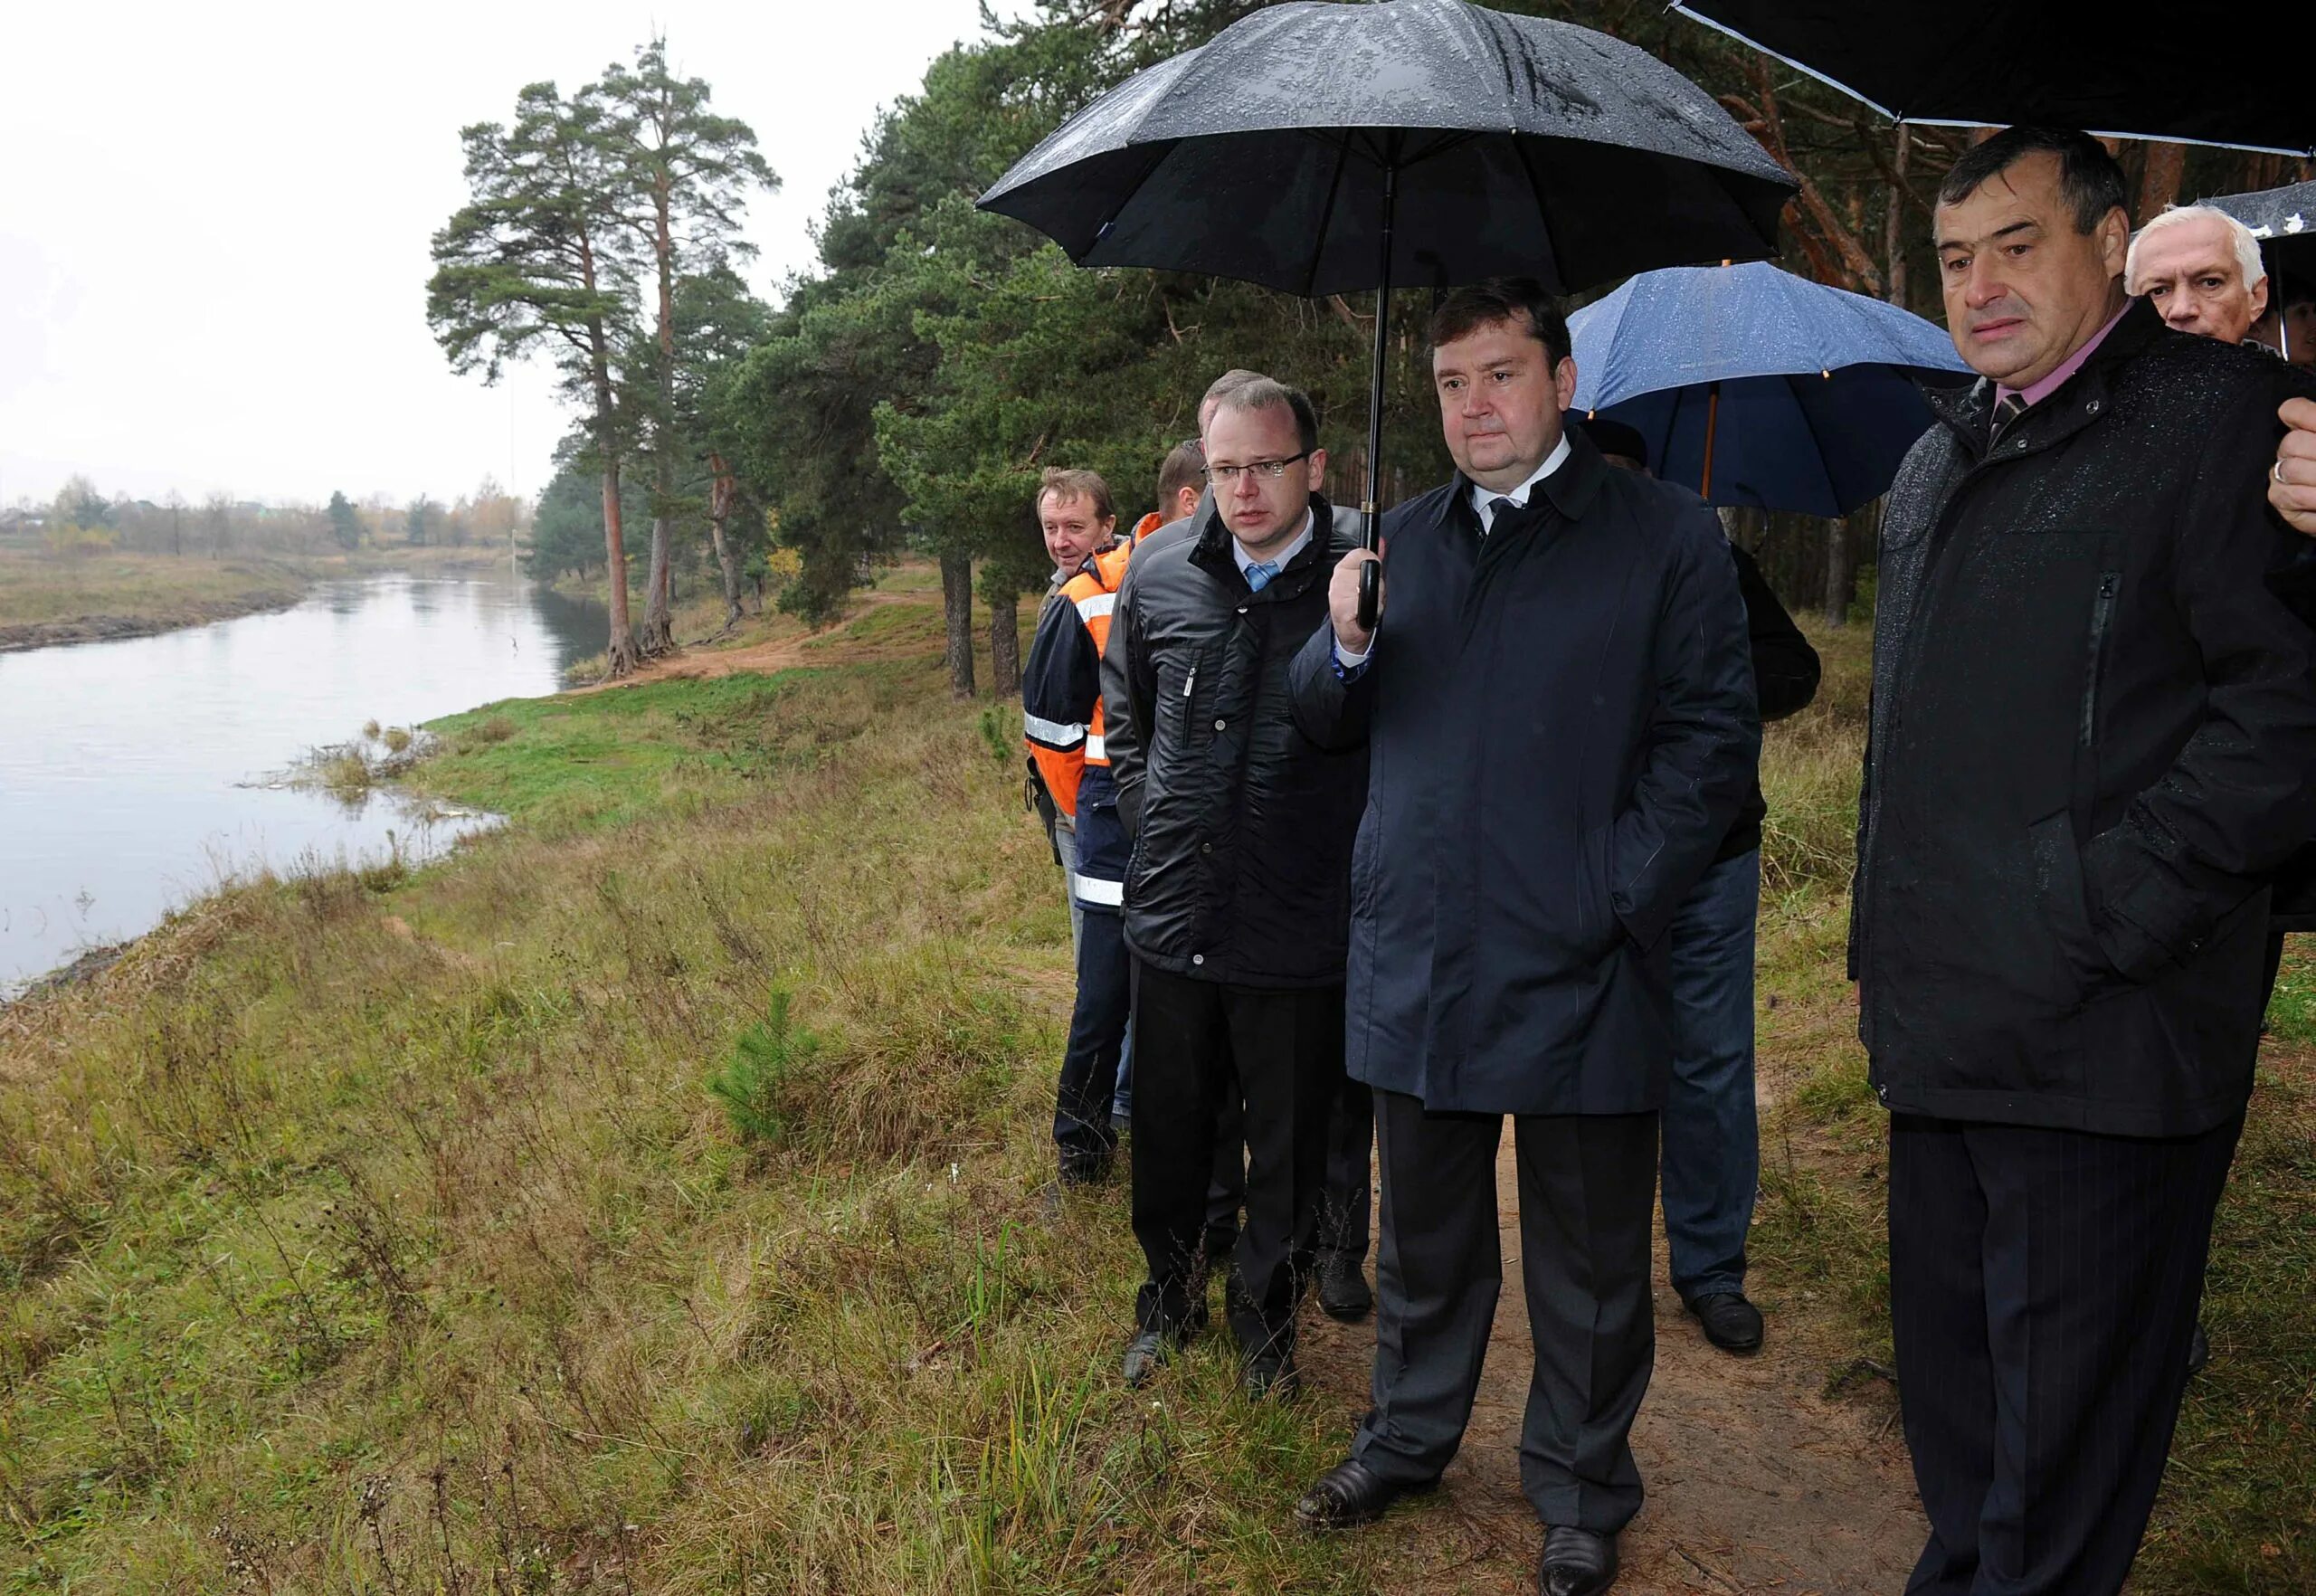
x=135, y=774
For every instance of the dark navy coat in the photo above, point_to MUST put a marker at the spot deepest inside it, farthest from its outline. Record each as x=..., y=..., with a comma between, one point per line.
x=1560, y=725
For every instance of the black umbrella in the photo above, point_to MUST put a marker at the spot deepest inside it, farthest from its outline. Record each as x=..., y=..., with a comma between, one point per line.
x=1317, y=147
x=2068, y=63
x=2284, y=222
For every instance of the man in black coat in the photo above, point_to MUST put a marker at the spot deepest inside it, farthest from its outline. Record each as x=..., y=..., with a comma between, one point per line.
x=2094, y=726
x=1236, y=890
x=1558, y=708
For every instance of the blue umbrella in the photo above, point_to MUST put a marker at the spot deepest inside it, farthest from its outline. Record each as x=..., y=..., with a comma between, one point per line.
x=1758, y=388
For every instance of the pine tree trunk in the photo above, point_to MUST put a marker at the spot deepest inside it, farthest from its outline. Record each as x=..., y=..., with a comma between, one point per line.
x=957, y=619
x=720, y=493
x=620, y=650
x=1894, y=228
x=1841, y=572
x=2166, y=167
x=658, y=622
x=658, y=625
x=1005, y=646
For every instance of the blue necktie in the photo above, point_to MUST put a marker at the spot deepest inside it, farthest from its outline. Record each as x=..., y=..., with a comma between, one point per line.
x=1259, y=574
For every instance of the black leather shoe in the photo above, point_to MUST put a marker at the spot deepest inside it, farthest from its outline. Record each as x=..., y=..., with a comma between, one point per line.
x=1342, y=1288
x=2198, y=1352
x=1268, y=1376
x=1731, y=1323
x=1351, y=1494
x=1149, y=1352
x=1577, y=1562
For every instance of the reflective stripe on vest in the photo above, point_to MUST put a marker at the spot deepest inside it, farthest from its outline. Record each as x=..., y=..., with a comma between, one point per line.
x=1053, y=734
x=1093, y=593
x=1092, y=889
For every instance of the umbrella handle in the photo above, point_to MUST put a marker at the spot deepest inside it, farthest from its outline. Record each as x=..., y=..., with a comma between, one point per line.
x=1371, y=584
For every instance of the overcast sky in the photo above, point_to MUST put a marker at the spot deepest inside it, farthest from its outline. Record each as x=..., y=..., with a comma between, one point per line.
x=214, y=220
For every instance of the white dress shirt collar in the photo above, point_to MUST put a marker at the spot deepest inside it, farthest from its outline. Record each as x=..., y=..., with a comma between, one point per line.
x=1238, y=550
x=1484, y=501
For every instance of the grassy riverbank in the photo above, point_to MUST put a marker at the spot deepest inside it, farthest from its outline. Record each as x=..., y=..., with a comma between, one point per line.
x=47, y=599
x=643, y=1200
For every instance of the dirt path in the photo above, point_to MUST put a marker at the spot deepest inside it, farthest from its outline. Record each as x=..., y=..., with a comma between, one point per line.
x=782, y=653
x=1756, y=1483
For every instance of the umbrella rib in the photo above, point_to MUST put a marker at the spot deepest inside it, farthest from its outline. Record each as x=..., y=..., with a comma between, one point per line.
x=1319, y=244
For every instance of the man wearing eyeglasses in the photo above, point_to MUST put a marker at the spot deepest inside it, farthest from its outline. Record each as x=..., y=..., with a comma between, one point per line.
x=1236, y=890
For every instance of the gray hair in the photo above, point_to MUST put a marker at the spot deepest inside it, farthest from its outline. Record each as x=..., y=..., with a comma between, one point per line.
x=2248, y=248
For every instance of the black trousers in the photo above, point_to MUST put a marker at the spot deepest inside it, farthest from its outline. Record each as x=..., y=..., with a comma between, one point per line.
x=1587, y=1189
x=2043, y=1288
x=1278, y=1052
x=1344, y=1201
x=1082, y=1136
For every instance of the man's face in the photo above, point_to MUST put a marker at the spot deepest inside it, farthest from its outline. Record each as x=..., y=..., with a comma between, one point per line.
x=1500, y=401
x=2189, y=273
x=2024, y=289
x=2300, y=332
x=1072, y=528
x=1261, y=514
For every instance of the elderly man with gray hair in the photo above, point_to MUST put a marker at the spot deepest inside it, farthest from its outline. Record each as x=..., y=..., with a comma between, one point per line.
x=2200, y=268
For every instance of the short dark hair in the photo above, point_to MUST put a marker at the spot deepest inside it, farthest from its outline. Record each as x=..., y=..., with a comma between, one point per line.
x=1263, y=394
x=2090, y=178
x=1184, y=467
x=1522, y=300
x=1064, y=484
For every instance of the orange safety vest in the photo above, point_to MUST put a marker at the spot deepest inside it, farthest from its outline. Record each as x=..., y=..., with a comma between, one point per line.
x=1093, y=594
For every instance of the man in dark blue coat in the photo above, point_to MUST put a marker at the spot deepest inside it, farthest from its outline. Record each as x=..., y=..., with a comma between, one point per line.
x=1559, y=710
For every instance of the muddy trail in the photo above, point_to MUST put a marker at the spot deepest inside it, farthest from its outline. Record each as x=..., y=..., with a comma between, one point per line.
x=1756, y=1481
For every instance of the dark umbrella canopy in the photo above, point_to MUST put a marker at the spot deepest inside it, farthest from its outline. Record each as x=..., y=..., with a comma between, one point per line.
x=2067, y=63
x=1758, y=388
x=2284, y=222
x=1520, y=146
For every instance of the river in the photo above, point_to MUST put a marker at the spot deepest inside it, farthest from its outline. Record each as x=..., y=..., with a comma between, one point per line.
x=137, y=774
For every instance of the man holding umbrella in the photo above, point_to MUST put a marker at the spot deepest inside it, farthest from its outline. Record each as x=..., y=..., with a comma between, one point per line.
x=2094, y=726
x=1558, y=705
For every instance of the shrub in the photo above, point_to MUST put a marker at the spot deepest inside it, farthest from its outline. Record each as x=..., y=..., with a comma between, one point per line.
x=764, y=1055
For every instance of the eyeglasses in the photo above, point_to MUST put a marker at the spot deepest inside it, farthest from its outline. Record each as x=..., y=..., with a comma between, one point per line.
x=1264, y=470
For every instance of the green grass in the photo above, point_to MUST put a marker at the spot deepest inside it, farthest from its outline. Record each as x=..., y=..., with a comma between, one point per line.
x=392, y=1236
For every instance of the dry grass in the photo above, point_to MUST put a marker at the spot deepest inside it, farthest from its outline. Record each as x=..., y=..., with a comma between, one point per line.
x=152, y=590
x=388, y=1237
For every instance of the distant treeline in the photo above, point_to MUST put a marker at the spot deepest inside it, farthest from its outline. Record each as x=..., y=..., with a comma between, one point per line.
x=81, y=521
x=910, y=387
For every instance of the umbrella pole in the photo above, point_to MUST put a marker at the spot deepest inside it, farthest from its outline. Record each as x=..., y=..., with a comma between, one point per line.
x=1370, y=575
x=1712, y=423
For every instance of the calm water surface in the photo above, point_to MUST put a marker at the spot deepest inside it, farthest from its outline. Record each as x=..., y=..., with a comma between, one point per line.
x=135, y=774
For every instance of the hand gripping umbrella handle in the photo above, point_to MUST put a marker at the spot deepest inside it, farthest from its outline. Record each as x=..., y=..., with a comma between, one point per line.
x=1371, y=580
